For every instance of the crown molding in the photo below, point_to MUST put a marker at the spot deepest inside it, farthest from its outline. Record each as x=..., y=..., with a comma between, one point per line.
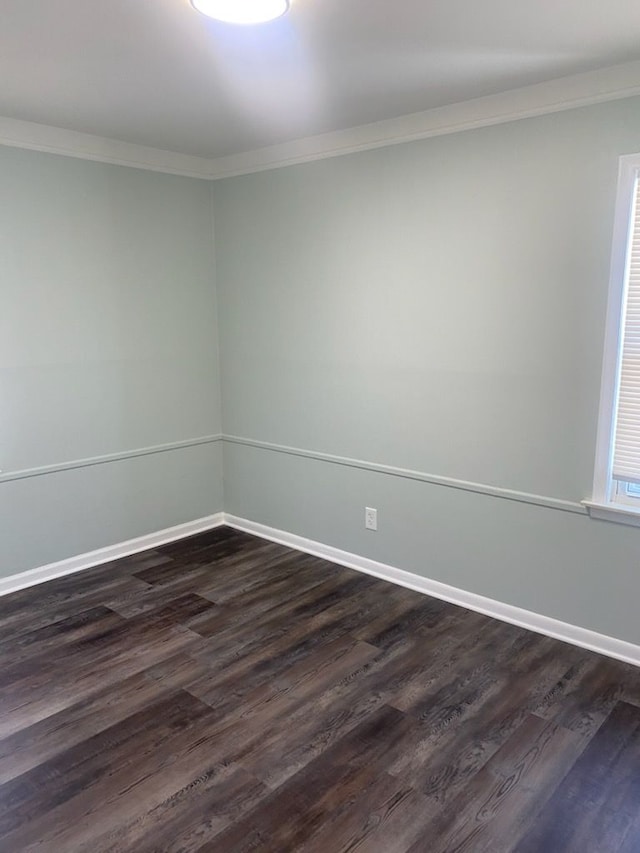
x=565, y=93
x=85, y=146
x=578, y=90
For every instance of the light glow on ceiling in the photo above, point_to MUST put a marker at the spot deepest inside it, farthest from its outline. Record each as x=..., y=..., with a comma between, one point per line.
x=242, y=11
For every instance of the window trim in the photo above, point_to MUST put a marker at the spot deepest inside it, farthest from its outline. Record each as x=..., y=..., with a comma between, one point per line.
x=603, y=503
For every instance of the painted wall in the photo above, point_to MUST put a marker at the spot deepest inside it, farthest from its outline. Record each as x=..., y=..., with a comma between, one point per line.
x=108, y=344
x=437, y=306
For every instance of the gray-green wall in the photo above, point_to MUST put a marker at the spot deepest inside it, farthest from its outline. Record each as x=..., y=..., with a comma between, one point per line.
x=108, y=344
x=437, y=306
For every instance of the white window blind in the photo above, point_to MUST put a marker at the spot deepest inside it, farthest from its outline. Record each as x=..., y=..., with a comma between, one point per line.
x=626, y=452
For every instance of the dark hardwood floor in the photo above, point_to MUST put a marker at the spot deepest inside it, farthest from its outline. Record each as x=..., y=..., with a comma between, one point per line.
x=227, y=694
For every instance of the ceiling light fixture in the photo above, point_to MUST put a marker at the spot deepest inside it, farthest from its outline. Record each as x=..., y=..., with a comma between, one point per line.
x=242, y=11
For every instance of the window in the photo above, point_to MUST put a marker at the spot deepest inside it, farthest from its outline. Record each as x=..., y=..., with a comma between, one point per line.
x=616, y=490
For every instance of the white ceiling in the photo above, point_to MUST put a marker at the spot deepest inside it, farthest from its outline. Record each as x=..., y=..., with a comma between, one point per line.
x=156, y=73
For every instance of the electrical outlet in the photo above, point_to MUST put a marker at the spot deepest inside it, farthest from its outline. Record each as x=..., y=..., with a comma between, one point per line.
x=370, y=518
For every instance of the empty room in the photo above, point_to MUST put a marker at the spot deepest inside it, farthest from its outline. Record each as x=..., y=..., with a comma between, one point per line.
x=319, y=426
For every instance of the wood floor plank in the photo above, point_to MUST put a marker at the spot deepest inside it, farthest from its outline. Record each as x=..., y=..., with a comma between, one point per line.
x=521, y=776
x=190, y=817
x=30, y=798
x=600, y=797
x=402, y=605
x=325, y=666
x=384, y=817
x=57, y=686
x=444, y=757
x=24, y=616
x=214, y=546
x=631, y=837
x=586, y=695
x=111, y=813
x=242, y=580
x=230, y=622
x=123, y=566
x=34, y=744
x=277, y=640
x=337, y=708
x=137, y=602
x=52, y=638
x=296, y=810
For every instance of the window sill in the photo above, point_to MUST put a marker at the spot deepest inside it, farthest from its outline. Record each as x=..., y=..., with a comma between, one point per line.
x=617, y=513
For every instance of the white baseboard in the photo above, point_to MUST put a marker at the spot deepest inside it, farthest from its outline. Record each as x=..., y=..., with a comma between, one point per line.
x=583, y=637
x=105, y=555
